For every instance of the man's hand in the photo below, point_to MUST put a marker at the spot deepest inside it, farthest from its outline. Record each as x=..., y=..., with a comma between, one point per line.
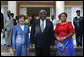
x=32, y=45
x=14, y=50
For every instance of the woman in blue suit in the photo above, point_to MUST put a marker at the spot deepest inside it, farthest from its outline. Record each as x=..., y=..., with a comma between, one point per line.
x=20, y=38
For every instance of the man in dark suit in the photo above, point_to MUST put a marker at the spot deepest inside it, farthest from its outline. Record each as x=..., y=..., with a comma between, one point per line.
x=2, y=21
x=42, y=35
x=14, y=20
x=78, y=23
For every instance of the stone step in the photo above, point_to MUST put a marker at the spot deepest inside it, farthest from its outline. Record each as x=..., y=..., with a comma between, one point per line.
x=79, y=51
x=8, y=52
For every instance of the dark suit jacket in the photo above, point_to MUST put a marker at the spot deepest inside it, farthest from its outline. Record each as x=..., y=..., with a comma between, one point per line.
x=81, y=24
x=40, y=39
x=2, y=21
x=80, y=27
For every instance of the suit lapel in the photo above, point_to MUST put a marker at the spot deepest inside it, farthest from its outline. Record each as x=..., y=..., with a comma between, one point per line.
x=39, y=25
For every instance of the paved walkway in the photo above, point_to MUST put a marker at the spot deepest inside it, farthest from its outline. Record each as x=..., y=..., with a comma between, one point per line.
x=7, y=51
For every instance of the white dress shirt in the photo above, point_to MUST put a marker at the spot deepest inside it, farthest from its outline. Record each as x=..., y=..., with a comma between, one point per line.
x=78, y=17
x=44, y=23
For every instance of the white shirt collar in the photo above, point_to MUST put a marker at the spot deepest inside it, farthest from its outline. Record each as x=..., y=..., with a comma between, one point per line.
x=44, y=20
x=78, y=16
x=22, y=27
x=44, y=23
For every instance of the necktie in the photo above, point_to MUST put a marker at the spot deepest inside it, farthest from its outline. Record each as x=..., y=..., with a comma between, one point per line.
x=42, y=26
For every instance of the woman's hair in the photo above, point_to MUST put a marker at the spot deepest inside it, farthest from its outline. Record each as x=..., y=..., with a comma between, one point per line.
x=21, y=16
x=59, y=16
x=63, y=13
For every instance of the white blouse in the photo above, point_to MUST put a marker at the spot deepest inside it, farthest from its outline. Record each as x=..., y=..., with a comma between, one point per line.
x=22, y=27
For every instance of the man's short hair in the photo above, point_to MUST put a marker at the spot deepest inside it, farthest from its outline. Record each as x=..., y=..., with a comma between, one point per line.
x=42, y=11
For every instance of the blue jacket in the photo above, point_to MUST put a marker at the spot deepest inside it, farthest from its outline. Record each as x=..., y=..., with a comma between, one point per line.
x=20, y=37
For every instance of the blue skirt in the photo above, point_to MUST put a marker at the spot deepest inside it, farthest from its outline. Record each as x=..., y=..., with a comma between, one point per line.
x=65, y=48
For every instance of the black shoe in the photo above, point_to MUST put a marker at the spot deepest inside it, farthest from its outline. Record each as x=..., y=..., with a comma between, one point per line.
x=80, y=45
x=77, y=45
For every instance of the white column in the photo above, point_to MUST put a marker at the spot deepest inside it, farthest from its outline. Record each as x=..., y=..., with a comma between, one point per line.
x=60, y=5
x=12, y=7
x=51, y=11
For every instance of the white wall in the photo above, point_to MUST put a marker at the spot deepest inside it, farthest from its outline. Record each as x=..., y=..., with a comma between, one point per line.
x=2, y=9
x=68, y=11
x=23, y=11
x=51, y=11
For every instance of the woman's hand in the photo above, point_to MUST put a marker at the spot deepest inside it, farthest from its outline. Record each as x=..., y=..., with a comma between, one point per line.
x=58, y=38
x=61, y=39
x=14, y=50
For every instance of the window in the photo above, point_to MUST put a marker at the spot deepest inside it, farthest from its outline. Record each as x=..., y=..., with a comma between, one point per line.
x=35, y=10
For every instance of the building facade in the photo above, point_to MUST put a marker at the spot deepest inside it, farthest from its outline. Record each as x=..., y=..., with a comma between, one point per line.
x=52, y=7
